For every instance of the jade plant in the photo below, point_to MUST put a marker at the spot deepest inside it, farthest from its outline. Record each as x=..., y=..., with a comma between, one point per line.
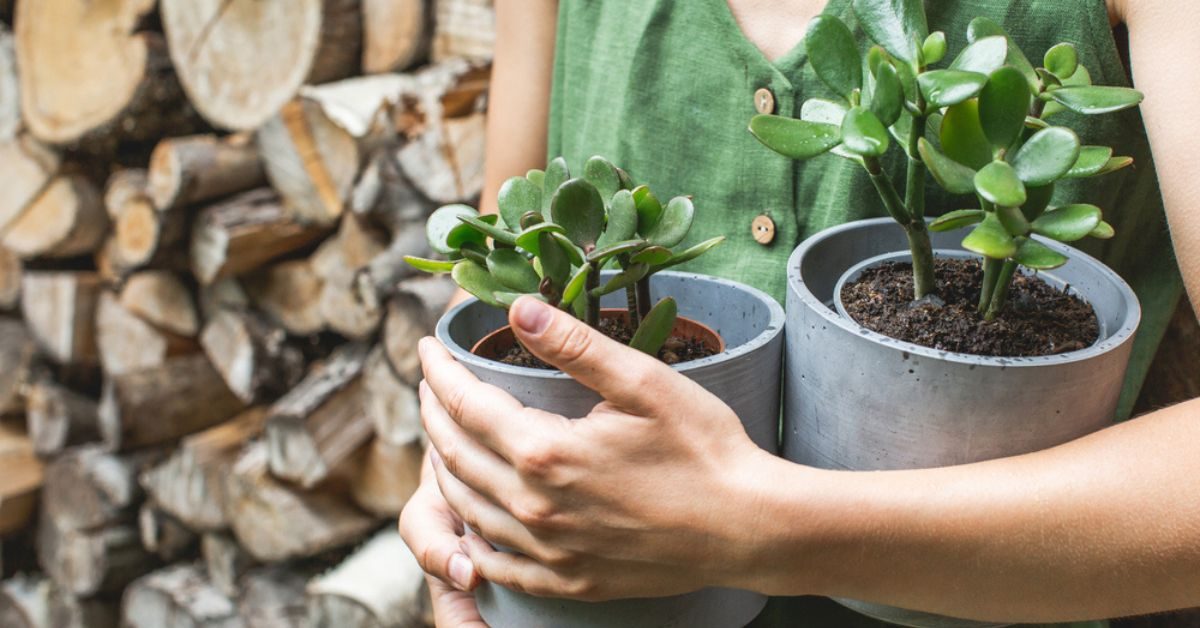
x=553, y=236
x=982, y=126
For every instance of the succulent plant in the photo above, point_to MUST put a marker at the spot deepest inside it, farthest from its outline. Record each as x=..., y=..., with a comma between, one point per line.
x=553, y=236
x=979, y=127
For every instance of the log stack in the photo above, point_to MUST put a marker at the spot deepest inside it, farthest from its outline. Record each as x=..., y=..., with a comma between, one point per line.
x=207, y=337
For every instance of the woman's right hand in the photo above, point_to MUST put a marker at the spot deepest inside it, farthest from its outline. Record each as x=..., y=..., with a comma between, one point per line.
x=434, y=534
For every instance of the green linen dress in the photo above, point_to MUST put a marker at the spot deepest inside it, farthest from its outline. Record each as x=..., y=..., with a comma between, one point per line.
x=666, y=89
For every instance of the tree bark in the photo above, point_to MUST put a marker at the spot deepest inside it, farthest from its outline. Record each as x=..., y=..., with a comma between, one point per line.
x=25, y=602
x=179, y=596
x=89, y=488
x=10, y=90
x=16, y=354
x=387, y=477
x=28, y=167
x=90, y=562
x=11, y=269
x=338, y=262
x=290, y=293
x=127, y=343
x=252, y=355
x=380, y=585
x=164, y=535
x=391, y=403
x=60, y=310
x=59, y=417
x=273, y=597
x=19, y=484
x=198, y=168
x=225, y=561
x=412, y=313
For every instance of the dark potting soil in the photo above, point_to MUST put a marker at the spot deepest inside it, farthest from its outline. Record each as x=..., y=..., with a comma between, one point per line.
x=1037, y=319
x=674, y=351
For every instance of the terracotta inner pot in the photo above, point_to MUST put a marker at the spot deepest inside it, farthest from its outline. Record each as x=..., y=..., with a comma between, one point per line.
x=497, y=343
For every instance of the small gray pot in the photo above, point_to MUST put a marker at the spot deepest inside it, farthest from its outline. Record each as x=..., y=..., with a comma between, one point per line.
x=858, y=400
x=746, y=377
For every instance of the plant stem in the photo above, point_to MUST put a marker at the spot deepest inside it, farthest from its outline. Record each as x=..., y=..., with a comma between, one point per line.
x=643, y=297
x=593, y=304
x=631, y=302
x=922, y=260
x=1001, y=294
x=991, y=270
x=887, y=192
x=914, y=187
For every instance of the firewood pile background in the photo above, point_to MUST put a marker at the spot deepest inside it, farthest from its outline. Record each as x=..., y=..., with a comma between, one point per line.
x=207, y=336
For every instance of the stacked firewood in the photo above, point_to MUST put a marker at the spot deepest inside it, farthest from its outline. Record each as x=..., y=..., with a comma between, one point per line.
x=207, y=334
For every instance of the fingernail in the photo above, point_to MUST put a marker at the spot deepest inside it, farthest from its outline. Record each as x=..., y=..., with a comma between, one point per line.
x=461, y=571
x=531, y=315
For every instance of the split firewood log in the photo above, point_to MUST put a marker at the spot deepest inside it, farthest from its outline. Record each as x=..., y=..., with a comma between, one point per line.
x=240, y=62
x=184, y=395
x=337, y=262
x=125, y=186
x=273, y=597
x=388, y=475
x=314, y=146
x=290, y=293
x=384, y=195
x=88, y=74
x=59, y=417
x=190, y=484
x=128, y=343
x=141, y=235
x=65, y=220
x=390, y=402
x=396, y=34
x=411, y=315
x=379, y=585
x=164, y=535
x=16, y=356
x=25, y=602
x=178, y=596
x=376, y=281
x=90, y=562
x=161, y=299
x=221, y=295
x=464, y=28
x=274, y=521
x=11, y=269
x=21, y=481
x=252, y=355
x=322, y=421
x=198, y=168
x=243, y=233
x=446, y=162
x=69, y=611
x=225, y=561
x=10, y=94
x=89, y=488
x=60, y=310
x=28, y=167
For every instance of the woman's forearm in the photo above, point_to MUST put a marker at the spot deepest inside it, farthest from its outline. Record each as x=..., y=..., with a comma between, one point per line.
x=1102, y=527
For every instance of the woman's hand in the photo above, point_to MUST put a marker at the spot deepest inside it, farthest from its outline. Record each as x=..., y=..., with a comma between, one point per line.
x=650, y=494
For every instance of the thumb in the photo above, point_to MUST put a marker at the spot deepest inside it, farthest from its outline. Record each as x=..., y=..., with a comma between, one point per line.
x=627, y=378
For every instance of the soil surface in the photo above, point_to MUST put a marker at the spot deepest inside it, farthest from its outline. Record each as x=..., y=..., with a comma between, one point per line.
x=1037, y=319
x=674, y=351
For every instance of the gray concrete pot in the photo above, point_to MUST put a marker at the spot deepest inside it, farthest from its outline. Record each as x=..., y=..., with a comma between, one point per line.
x=746, y=376
x=858, y=400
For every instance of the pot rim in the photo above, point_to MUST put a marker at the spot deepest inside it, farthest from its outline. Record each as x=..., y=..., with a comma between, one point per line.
x=615, y=312
x=1118, y=337
x=773, y=328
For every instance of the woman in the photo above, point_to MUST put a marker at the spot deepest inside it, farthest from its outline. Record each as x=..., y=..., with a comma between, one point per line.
x=606, y=506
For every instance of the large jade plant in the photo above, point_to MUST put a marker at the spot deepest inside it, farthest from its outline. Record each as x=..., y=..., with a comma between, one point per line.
x=553, y=236
x=982, y=126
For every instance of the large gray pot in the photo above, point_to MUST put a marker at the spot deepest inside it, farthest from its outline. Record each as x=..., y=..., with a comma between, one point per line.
x=746, y=376
x=858, y=400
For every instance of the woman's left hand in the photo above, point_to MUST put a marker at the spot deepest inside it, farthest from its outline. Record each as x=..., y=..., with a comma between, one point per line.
x=651, y=493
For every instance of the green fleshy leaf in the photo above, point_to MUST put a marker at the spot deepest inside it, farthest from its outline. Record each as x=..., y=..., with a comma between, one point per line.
x=621, y=280
x=1037, y=200
x=1062, y=60
x=442, y=222
x=553, y=258
x=464, y=235
x=1048, y=79
x=574, y=253
x=690, y=254
x=1036, y=124
x=954, y=177
x=513, y=270
x=1115, y=164
x=834, y=55
x=579, y=209
x=1094, y=100
x=794, y=139
x=863, y=133
x=1103, y=231
x=1046, y=156
x=576, y=284
x=828, y=112
x=626, y=180
x=1081, y=78
x=990, y=239
x=616, y=248
x=1003, y=105
x=528, y=239
x=476, y=280
x=943, y=88
x=475, y=252
x=1013, y=220
x=908, y=78
x=656, y=327
x=983, y=56
x=430, y=265
x=1092, y=160
x=982, y=27
x=675, y=223
x=899, y=26
x=962, y=136
x=1035, y=255
x=557, y=174
x=957, y=220
x=653, y=256
x=486, y=225
x=887, y=100
x=933, y=50
x=603, y=176
x=998, y=183
x=1068, y=223
x=649, y=209
x=517, y=197
x=538, y=178
x=506, y=299
x=622, y=221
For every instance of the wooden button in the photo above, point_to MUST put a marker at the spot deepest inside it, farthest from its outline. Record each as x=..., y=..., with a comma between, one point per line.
x=763, y=229
x=764, y=100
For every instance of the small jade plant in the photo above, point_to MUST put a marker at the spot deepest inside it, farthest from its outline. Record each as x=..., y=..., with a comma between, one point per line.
x=555, y=233
x=980, y=127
